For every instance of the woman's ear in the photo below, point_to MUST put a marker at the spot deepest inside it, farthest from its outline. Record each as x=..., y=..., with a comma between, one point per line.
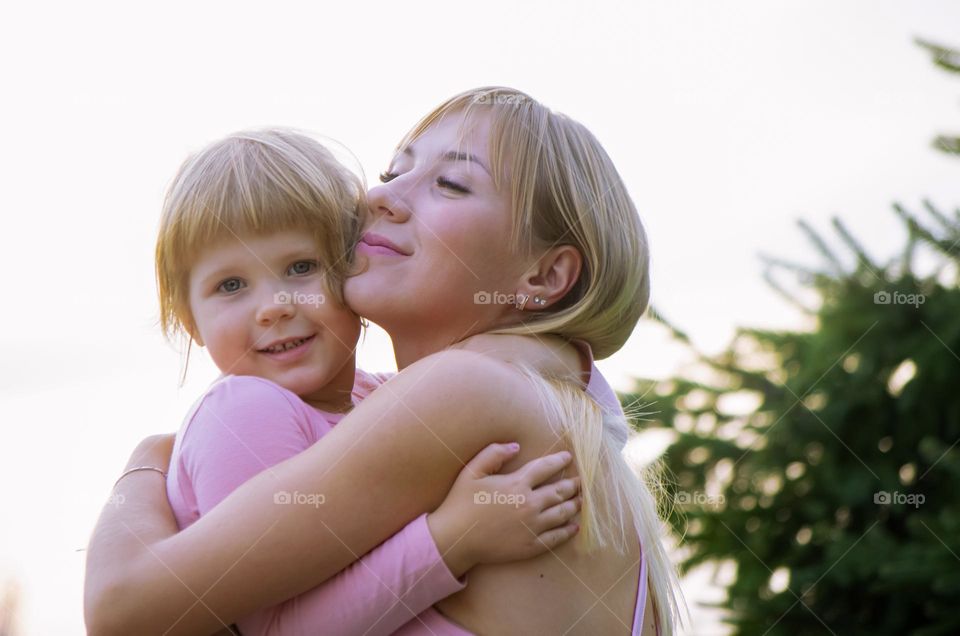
x=553, y=275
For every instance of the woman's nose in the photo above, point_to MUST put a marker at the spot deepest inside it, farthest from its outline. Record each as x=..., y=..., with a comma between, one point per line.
x=388, y=200
x=280, y=305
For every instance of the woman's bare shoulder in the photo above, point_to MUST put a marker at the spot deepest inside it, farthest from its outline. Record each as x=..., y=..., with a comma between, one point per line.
x=477, y=389
x=551, y=355
x=462, y=372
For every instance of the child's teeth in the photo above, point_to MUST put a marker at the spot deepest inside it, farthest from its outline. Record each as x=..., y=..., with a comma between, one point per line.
x=287, y=346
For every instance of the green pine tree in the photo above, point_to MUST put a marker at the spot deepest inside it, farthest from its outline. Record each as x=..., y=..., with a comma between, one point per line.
x=825, y=463
x=949, y=60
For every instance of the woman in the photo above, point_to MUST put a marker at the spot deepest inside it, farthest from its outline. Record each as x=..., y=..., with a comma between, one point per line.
x=490, y=197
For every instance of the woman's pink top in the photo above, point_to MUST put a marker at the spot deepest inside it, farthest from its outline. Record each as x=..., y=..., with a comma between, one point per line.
x=431, y=621
x=244, y=425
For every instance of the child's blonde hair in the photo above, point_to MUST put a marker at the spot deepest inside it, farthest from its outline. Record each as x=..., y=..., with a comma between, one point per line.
x=565, y=190
x=254, y=182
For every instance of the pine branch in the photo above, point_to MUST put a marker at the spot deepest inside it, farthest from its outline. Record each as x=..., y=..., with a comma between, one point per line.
x=944, y=57
x=822, y=247
x=947, y=144
x=863, y=260
x=790, y=298
x=950, y=226
x=948, y=248
x=656, y=316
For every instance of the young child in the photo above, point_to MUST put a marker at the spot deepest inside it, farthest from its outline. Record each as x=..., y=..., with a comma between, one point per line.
x=253, y=247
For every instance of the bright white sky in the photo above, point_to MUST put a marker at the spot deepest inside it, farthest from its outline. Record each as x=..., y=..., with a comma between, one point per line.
x=728, y=121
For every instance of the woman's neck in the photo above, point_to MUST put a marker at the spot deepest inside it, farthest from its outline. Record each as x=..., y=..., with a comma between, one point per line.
x=410, y=346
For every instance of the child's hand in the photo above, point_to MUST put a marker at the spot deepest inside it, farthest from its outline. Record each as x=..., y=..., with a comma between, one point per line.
x=493, y=518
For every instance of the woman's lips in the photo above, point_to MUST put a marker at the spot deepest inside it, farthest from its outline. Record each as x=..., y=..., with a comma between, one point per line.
x=373, y=243
x=366, y=248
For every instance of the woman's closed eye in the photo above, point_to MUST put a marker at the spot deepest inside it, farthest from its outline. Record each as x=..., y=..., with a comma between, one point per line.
x=443, y=182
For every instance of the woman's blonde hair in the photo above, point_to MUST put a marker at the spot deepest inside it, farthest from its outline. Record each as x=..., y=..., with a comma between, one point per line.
x=254, y=182
x=565, y=190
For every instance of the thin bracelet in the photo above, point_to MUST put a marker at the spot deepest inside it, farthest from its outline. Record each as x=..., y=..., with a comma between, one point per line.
x=133, y=470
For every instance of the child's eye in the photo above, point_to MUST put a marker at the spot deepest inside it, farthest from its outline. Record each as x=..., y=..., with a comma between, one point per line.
x=386, y=177
x=443, y=182
x=230, y=286
x=301, y=268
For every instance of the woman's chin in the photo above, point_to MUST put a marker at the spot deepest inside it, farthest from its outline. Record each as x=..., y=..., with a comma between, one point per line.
x=369, y=296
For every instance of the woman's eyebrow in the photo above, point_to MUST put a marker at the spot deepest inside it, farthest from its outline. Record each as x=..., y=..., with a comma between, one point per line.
x=452, y=155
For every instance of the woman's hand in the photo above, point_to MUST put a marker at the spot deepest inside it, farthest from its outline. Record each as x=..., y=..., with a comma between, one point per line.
x=493, y=518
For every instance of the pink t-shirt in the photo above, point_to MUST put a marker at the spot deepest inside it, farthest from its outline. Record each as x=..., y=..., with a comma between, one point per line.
x=245, y=425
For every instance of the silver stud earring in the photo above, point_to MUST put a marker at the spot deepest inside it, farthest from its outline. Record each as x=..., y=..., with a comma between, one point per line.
x=540, y=301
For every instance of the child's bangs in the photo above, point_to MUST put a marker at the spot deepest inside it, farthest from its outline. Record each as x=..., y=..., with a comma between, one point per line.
x=251, y=194
x=233, y=213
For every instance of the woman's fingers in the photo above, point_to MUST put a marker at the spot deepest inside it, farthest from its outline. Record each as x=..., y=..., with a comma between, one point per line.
x=537, y=471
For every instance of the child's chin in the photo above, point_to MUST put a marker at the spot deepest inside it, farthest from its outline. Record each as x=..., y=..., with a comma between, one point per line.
x=295, y=381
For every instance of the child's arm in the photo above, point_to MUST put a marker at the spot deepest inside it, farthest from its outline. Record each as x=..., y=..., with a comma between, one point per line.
x=410, y=572
x=225, y=443
x=390, y=460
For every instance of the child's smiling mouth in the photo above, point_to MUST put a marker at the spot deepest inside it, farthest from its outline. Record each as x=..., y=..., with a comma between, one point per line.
x=287, y=345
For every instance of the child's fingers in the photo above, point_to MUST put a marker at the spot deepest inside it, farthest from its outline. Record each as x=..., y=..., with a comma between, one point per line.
x=555, y=493
x=559, y=515
x=491, y=459
x=553, y=538
x=538, y=470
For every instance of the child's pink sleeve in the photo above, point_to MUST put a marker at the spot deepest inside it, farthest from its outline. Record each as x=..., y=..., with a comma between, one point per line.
x=242, y=427
x=246, y=425
x=378, y=594
x=366, y=383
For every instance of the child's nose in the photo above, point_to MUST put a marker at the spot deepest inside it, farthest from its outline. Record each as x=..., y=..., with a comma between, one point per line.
x=279, y=305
